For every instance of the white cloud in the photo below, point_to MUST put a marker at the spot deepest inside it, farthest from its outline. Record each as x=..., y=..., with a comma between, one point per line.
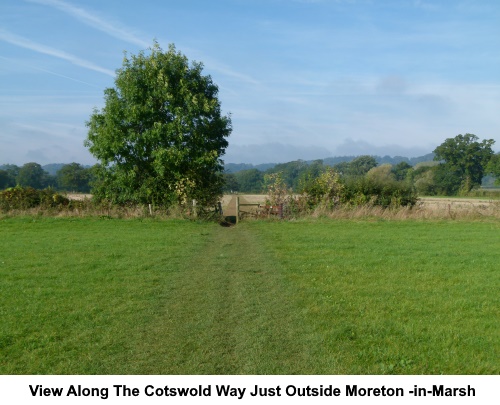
x=26, y=43
x=40, y=107
x=115, y=30
x=31, y=66
x=119, y=31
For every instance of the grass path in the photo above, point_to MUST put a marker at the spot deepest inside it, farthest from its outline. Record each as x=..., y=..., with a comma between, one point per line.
x=229, y=313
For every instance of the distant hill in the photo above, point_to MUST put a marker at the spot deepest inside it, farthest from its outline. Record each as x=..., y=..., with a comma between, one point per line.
x=53, y=168
x=331, y=161
x=398, y=159
x=238, y=167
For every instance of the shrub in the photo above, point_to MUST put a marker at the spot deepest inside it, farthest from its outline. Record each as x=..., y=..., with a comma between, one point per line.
x=21, y=198
x=326, y=190
x=388, y=193
x=277, y=190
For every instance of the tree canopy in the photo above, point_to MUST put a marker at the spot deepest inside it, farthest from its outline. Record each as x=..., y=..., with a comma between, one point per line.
x=74, y=177
x=464, y=161
x=357, y=167
x=494, y=167
x=32, y=175
x=160, y=136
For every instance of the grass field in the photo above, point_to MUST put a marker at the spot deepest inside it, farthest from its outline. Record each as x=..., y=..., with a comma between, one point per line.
x=100, y=296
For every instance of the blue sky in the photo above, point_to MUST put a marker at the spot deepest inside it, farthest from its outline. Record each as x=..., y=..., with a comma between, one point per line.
x=302, y=79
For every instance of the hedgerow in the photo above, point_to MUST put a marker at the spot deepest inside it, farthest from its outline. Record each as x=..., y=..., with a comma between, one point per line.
x=22, y=198
x=387, y=193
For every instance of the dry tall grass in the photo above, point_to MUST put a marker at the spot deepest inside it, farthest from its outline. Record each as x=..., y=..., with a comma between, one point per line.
x=421, y=211
x=88, y=209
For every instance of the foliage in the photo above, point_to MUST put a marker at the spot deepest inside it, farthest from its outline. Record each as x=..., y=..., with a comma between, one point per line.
x=277, y=190
x=250, y=181
x=494, y=167
x=378, y=187
x=464, y=160
x=309, y=173
x=390, y=193
x=6, y=180
x=290, y=172
x=160, y=135
x=326, y=190
x=381, y=173
x=231, y=184
x=424, y=181
x=342, y=168
x=32, y=175
x=74, y=177
x=357, y=167
x=448, y=181
x=20, y=198
x=402, y=171
x=8, y=176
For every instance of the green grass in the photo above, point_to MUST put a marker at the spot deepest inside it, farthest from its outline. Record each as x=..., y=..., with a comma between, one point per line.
x=96, y=296
x=396, y=297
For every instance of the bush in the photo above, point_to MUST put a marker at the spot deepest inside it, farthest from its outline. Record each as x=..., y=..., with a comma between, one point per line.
x=388, y=193
x=326, y=190
x=424, y=183
x=21, y=198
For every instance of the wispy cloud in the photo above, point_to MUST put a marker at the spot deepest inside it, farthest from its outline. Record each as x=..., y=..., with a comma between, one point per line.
x=26, y=43
x=47, y=71
x=113, y=29
x=119, y=31
x=229, y=71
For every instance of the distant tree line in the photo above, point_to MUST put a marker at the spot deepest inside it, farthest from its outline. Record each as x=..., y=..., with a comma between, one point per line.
x=332, y=161
x=69, y=177
x=457, y=166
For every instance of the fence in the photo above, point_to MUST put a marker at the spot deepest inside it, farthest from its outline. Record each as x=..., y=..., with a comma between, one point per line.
x=238, y=207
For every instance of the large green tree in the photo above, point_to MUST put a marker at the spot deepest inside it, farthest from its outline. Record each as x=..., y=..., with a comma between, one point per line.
x=160, y=136
x=5, y=180
x=32, y=175
x=8, y=176
x=250, y=181
x=463, y=162
x=74, y=177
x=230, y=183
x=494, y=167
x=356, y=167
x=402, y=170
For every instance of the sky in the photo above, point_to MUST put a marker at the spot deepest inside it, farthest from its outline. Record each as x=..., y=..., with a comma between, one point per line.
x=302, y=79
